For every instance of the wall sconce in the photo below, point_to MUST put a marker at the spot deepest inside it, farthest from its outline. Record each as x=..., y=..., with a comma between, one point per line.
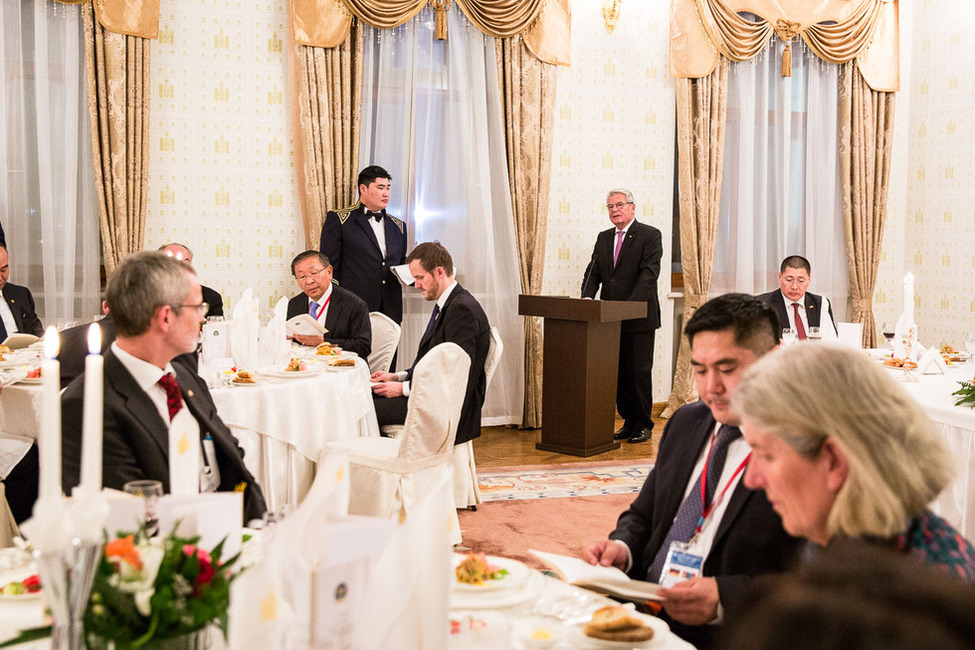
x=611, y=13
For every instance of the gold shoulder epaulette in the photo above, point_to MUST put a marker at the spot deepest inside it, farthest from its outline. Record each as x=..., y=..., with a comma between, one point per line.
x=399, y=223
x=344, y=213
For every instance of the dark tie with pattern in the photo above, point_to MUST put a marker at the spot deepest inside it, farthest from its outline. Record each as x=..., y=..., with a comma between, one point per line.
x=433, y=320
x=800, y=330
x=689, y=513
x=174, y=397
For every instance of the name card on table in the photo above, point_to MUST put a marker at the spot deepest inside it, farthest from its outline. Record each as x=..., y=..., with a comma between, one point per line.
x=931, y=362
x=216, y=341
x=212, y=516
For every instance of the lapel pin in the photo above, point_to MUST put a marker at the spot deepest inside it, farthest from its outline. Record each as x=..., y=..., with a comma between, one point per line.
x=189, y=393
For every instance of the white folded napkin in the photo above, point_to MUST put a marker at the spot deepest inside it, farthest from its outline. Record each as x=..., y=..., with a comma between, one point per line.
x=244, y=333
x=275, y=349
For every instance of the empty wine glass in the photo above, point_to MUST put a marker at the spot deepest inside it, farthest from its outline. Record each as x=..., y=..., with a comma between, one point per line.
x=151, y=492
x=788, y=336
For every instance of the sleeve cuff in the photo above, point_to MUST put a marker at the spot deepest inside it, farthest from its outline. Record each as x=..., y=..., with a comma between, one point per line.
x=401, y=375
x=406, y=389
x=629, y=555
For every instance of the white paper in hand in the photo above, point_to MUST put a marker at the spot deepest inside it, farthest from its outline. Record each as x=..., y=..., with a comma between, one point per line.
x=305, y=325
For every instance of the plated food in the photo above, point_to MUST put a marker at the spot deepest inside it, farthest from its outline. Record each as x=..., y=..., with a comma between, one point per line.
x=327, y=349
x=895, y=362
x=341, y=362
x=613, y=623
x=29, y=587
x=244, y=377
x=476, y=570
x=296, y=365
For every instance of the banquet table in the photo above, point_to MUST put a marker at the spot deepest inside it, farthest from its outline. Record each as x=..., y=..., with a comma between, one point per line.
x=956, y=424
x=282, y=423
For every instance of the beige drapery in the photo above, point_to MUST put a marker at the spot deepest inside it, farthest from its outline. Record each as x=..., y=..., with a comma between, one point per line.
x=702, y=106
x=543, y=24
x=117, y=68
x=835, y=30
x=866, y=121
x=528, y=97
x=326, y=109
x=704, y=35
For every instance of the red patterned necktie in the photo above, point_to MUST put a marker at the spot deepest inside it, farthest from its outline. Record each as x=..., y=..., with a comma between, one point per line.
x=174, y=398
x=800, y=329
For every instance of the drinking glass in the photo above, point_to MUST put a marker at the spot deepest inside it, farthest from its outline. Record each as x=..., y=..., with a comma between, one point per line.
x=151, y=492
x=815, y=334
x=788, y=336
x=970, y=348
x=887, y=330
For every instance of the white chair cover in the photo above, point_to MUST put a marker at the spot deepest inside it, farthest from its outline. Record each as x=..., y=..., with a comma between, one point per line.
x=8, y=527
x=406, y=603
x=385, y=338
x=466, y=492
x=390, y=476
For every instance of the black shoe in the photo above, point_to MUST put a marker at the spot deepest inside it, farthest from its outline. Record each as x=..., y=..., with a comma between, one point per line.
x=623, y=432
x=639, y=435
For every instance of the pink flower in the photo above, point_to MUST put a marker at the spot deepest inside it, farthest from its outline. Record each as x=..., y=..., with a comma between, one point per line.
x=206, y=564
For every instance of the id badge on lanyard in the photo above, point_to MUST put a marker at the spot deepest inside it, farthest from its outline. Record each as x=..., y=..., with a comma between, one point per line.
x=682, y=564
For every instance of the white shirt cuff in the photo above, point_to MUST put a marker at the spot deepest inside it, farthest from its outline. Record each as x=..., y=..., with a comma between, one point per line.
x=629, y=555
x=406, y=389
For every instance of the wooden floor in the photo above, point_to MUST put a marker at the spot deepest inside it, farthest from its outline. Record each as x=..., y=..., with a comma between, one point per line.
x=504, y=446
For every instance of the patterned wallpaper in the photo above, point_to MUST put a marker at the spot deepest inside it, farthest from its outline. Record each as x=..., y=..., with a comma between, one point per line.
x=614, y=128
x=931, y=224
x=221, y=163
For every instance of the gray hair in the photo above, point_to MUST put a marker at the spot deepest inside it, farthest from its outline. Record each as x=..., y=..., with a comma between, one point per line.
x=142, y=283
x=176, y=243
x=625, y=192
x=809, y=392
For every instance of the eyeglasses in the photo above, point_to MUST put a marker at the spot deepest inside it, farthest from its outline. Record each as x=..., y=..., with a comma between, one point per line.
x=302, y=278
x=618, y=206
x=201, y=309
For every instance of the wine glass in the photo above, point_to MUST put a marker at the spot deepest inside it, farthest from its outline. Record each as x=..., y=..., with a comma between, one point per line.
x=970, y=347
x=887, y=330
x=151, y=491
x=788, y=336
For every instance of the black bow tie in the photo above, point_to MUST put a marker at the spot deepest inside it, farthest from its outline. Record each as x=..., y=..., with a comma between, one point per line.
x=378, y=216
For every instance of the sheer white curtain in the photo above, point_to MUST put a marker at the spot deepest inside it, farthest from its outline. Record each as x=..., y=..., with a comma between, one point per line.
x=780, y=193
x=431, y=115
x=47, y=201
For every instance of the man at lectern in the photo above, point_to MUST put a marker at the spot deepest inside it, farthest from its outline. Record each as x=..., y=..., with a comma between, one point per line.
x=626, y=263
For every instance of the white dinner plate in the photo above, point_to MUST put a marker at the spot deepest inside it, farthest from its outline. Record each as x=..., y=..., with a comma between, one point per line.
x=31, y=381
x=290, y=374
x=529, y=591
x=15, y=363
x=14, y=598
x=517, y=575
x=660, y=630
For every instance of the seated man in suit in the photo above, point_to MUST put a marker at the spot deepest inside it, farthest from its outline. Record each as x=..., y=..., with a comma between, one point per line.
x=457, y=317
x=74, y=346
x=796, y=308
x=156, y=305
x=341, y=312
x=694, y=501
x=210, y=296
x=17, y=313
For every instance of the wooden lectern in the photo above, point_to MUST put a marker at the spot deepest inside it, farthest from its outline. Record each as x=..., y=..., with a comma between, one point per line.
x=581, y=357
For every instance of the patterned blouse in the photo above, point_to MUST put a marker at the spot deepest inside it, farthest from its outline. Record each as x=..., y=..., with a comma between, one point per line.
x=933, y=541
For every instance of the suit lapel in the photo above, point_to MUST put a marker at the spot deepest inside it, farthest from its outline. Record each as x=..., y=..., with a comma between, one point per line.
x=435, y=333
x=137, y=402
x=334, y=306
x=14, y=309
x=363, y=222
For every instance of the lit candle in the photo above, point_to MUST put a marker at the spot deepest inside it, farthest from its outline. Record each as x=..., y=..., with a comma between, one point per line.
x=49, y=437
x=91, y=441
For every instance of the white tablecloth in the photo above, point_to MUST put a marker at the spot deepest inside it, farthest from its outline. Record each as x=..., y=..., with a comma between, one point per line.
x=957, y=426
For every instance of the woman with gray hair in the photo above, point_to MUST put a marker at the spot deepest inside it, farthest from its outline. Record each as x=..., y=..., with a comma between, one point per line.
x=843, y=452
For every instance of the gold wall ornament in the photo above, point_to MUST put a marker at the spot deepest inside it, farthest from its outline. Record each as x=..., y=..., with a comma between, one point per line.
x=611, y=14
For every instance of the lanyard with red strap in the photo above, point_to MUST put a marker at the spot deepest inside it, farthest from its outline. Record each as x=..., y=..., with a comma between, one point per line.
x=704, y=479
x=324, y=305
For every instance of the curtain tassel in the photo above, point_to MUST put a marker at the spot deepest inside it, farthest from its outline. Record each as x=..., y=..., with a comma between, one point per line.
x=787, y=60
x=440, y=8
x=787, y=31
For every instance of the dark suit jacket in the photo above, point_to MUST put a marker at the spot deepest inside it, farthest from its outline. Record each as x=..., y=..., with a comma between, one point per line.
x=347, y=320
x=462, y=321
x=74, y=348
x=21, y=303
x=635, y=275
x=357, y=261
x=214, y=299
x=136, y=439
x=749, y=540
x=812, y=303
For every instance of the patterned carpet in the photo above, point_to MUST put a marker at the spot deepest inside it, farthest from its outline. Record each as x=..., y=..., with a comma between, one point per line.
x=566, y=480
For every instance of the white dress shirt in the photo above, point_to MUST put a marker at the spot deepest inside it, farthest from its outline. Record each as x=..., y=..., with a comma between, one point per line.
x=378, y=227
x=826, y=328
x=7, y=316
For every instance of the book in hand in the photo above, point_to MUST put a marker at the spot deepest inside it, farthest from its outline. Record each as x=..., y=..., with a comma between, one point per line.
x=19, y=340
x=305, y=325
x=604, y=579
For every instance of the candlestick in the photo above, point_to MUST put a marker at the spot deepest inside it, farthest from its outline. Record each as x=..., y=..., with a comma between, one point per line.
x=91, y=454
x=49, y=437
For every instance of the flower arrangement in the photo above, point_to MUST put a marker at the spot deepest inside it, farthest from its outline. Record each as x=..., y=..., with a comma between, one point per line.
x=148, y=591
x=966, y=394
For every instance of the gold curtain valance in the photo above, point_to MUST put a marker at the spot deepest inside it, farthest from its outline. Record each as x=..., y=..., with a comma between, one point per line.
x=837, y=31
x=544, y=24
x=130, y=17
